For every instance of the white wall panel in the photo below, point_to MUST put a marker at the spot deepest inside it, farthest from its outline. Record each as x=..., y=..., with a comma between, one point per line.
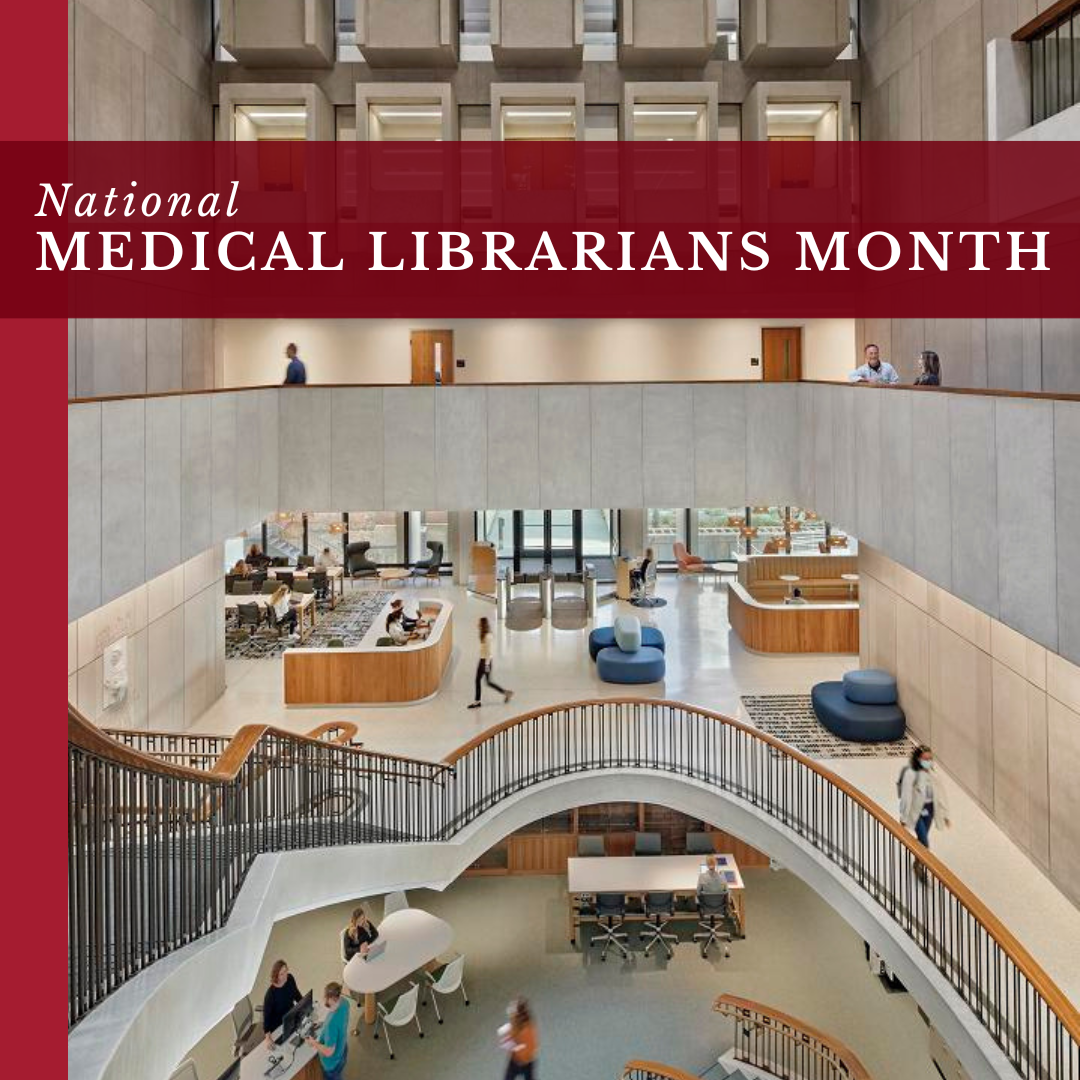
x=164, y=468
x=566, y=458
x=513, y=450
x=1067, y=520
x=224, y=467
x=772, y=444
x=195, y=476
x=719, y=445
x=1027, y=548
x=932, y=479
x=461, y=447
x=84, y=509
x=249, y=475
x=304, y=448
x=668, y=451
x=123, y=497
x=896, y=482
x=616, y=431
x=870, y=478
x=409, y=448
x=269, y=405
x=356, y=463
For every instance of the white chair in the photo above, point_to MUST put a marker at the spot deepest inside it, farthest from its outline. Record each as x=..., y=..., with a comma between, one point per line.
x=395, y=901
x=403, y=1013
x=450, y=981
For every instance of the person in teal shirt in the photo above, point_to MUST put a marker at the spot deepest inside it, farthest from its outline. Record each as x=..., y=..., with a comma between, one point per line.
x=332, y=1044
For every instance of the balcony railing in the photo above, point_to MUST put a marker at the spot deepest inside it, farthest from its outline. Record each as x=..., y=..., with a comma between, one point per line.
x=1054, y=40
x=158, y=852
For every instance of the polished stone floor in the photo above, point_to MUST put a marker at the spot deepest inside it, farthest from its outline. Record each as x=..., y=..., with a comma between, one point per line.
x=706, y=666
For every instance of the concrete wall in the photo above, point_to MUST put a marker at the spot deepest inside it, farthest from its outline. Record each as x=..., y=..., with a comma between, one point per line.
x=174, y=626
x=527, y=350
x=1001, y=711
x=972, y=493
x=153, y=483
x=139, y=69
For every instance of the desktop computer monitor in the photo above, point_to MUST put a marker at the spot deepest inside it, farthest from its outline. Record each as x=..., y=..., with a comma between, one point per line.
x=294, y=1018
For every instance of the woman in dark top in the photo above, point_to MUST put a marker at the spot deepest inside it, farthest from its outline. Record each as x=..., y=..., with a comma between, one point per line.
x=358, y=935
x=281, y=995
x=640, y=572
x=929, y=369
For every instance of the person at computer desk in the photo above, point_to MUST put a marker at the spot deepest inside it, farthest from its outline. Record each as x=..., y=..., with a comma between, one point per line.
x=281, y=995
x=332, y=1045
x=358, y=935
x=711, y=879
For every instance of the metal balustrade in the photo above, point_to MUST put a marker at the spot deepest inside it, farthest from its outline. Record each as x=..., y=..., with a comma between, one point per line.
x=158, y=852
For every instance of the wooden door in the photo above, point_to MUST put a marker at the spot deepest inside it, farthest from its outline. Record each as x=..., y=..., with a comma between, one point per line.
x=431, y=349
x=781, y=354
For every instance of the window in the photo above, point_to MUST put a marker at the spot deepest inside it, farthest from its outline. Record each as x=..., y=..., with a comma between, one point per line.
x=497, y=527
x=382, y=529
x=663, y=528
x=718, y=532
x=727, y=29
x=326, y=531
x=285, y=535
x=428, y=526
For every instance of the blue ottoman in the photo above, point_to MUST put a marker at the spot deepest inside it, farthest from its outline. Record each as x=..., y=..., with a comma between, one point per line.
x=870, y=686
x=604, y=636
x=853, y=720
x=644, y=666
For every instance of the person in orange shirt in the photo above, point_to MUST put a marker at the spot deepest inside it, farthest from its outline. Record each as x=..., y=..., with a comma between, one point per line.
x=519, y=1038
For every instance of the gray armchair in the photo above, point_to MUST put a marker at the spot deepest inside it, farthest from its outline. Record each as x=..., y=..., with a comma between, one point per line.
x=430, y=566
x=357, y=563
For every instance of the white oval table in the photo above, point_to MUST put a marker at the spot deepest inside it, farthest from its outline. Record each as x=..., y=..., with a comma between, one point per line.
x=413, y=939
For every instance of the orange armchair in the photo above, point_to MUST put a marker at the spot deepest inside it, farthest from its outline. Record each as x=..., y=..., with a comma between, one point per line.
x=687, y=563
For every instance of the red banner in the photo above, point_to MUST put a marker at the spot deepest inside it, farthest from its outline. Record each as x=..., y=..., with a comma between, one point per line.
x=603, y=229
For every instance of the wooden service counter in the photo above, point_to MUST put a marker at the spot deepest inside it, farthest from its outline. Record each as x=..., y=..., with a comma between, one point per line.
x=793, y=628
x=368, y=674
x=820, y=577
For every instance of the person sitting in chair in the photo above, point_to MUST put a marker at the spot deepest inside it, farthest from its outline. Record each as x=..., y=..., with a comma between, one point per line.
x=711, y=880
x=282, y=615
x=639, y=575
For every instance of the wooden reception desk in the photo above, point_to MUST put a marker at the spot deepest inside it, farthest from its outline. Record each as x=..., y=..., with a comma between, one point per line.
x=793, y=628
x=368, y=674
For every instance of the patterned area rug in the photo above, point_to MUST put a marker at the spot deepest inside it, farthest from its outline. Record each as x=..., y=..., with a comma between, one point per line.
x=790, y=718
x=349, y=621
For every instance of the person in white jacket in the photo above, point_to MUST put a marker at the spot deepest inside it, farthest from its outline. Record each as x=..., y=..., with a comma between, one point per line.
x=922, y=795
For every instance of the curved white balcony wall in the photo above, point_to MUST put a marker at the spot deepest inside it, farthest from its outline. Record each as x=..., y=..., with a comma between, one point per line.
x=529, y=33
x=670, y=111
x=408, y=33
x=279, y=33
x=145, y=1027
x=669, y=33
x=793, y=33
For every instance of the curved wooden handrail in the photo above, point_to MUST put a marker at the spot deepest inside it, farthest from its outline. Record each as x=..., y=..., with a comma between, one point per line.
x=87, y=736
x=735, y=1007
x=655, y=1069
x=1042, y=22
x=1066, y=1012
x=82, y=733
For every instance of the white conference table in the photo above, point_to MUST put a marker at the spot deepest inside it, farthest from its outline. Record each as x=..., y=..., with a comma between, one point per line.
x=301, y=603
x=635, y=875
x=298, y=1062
x=413, y=939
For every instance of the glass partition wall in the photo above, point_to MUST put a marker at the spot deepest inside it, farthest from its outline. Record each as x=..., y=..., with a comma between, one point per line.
x=565, y=540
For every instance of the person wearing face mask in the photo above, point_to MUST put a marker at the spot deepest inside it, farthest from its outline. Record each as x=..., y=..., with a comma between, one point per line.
x=332, y=1045
x=922, y=796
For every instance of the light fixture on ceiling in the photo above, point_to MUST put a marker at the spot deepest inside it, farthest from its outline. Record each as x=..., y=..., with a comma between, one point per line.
x=407, y=114
x=338, y=527
x=299, y=116
x=538, y=114
x=647, y=112
x=815, y=112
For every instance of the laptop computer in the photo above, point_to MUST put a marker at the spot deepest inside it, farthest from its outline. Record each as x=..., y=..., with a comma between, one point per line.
x=377, y=949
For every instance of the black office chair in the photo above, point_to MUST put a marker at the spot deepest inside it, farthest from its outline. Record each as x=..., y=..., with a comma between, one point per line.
x=304, y=562
x=714, y=910
x=610, y=912
x=242, y=588
x=647, y=843
x=269, y=586
x=250, y=616
x=429, y=567
x=700, y=843
x=321, y=581
x=257, y=580
x=284, y=577
x=659, y=911
x=357, y=563
x=303, y=585
x=279, y=560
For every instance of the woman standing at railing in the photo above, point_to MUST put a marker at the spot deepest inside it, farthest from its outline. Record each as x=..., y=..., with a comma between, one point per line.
x=483, y=667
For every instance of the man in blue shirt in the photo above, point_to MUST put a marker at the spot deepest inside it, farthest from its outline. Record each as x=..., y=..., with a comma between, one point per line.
x=332, y=1044
x=295, y=373
x=874, y=369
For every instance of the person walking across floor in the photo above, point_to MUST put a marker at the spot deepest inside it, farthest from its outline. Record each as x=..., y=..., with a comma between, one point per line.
x=295, y=372
x=518, y=1038
x=332, y=1045
x=922, y=798
x=929, y=369
x=483, y=666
